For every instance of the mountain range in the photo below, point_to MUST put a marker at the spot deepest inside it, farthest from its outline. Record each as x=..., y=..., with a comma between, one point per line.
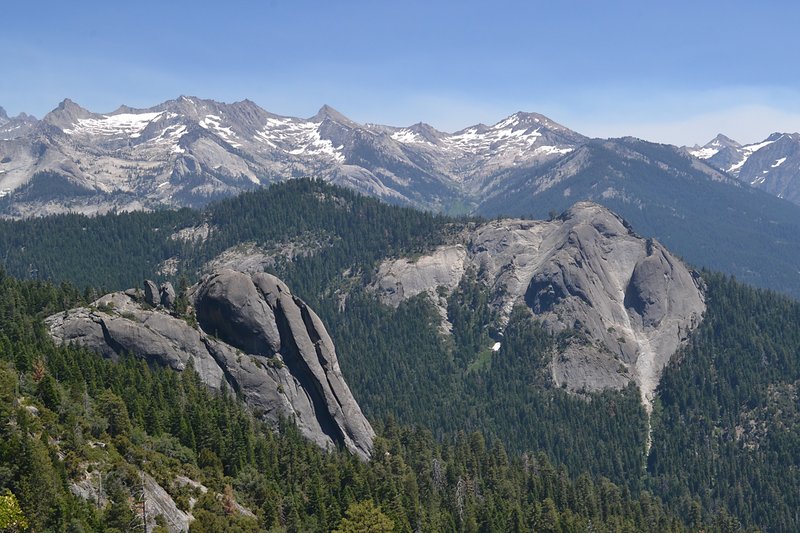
x=772, y=165
x=190, y=151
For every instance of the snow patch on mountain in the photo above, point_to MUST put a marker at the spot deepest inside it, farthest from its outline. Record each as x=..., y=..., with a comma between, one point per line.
x=474, y=140
x=704, y=153
x=213, y=122
x=552, y=150
x=298, y=137
x=407, y=136
x=170, y=136
x=122, y=124
x=747, y=151
x=520, y=138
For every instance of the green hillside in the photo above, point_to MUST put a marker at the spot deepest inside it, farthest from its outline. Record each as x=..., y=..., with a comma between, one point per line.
x=68, y=416
x=726, y=425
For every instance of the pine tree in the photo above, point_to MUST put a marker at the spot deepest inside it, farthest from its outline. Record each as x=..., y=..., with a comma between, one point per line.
x=364, y=517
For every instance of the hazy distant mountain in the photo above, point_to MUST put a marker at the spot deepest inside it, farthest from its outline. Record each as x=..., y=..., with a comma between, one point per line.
x=190, y=151
x=722, y=152
x=772, y=165
x=14, y=127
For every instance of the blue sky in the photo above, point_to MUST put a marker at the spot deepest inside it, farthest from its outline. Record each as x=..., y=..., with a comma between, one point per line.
x=675, y=72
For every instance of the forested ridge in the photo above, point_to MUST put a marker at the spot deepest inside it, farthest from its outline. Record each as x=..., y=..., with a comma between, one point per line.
x=116, y=251
x=68, y=413
x=727, y=418
x=726, y=421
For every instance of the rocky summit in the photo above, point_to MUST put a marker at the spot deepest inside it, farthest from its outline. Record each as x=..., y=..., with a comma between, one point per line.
x=629, y=301
x=246, y=331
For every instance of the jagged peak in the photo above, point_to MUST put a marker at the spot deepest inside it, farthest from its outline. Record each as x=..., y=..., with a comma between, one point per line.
x=530, y=115
x=524, y=119
x=713, y=147
x=191, y=107
x=426, y=131
x=191, y=101
x=185, y=102
x=247, y=103
x=250, y=106
x=3, y=113
x=69, y=105
x=66, y=114
x=25, y=117
x=719, y=141
x=723, y=139
x=422, y=126
x=781, y=139
x=477, y=128
x=125, y=109
x=328, y=112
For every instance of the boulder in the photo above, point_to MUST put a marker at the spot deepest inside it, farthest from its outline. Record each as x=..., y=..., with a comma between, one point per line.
x=151, y=293
x=229, y=306
x=167, y=295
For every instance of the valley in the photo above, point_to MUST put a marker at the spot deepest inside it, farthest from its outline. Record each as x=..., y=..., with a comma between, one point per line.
x=614, y=357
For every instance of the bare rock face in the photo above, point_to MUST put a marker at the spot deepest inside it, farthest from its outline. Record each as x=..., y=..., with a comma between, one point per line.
x=253, y=334
x=160, y=503
x=404, y=278
x=632, y=301
x=151, y=293
x=629, y=293
x=167, y=295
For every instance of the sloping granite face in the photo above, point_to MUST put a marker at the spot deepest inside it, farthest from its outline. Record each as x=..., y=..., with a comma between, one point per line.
x=633, y=301
x=253, y=334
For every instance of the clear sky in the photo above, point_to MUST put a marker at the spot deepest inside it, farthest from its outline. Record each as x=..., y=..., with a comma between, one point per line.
x=671, y=71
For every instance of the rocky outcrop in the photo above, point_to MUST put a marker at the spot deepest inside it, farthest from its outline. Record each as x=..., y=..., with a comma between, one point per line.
x=160, y=503
x=403, y=278
x=253, y=334
x=167, y=295
x=155, y=295
x=151, y=293
x=629, y=300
